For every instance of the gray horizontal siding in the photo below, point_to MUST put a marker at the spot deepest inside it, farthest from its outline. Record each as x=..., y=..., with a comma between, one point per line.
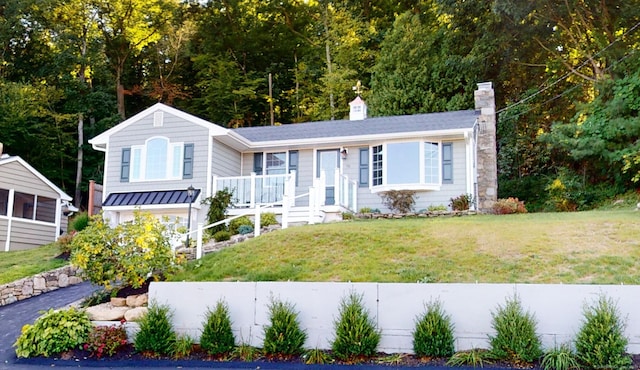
x=226, y=160
x=26, y=234
x=15, y=176
x=173, y=128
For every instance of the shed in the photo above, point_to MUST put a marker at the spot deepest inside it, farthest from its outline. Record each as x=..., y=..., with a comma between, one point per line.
x=31, y=206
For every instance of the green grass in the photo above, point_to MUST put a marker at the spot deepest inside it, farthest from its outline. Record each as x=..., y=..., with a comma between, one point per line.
x=595, y=247
x=15, y=265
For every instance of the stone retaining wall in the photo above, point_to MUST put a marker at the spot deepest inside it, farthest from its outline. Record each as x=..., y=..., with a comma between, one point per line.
x=38, y=284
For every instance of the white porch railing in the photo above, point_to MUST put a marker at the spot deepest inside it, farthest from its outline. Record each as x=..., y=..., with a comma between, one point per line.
x=346, y=192
x=249, y=191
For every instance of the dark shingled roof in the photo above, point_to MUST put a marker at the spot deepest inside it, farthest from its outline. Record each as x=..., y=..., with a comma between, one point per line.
x=143, y=198
x=370, y=126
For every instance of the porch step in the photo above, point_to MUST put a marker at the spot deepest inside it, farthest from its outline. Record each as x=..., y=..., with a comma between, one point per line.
x=300, y=215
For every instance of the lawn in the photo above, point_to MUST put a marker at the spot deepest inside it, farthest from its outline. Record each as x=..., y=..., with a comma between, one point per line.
x=595, y=247
x=15, y=265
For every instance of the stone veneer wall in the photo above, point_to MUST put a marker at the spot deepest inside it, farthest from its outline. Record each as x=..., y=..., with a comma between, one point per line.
x=487, y=157
x=38, y=284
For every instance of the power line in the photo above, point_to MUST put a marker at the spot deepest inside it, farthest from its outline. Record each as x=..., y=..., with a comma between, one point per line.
x=566, y=75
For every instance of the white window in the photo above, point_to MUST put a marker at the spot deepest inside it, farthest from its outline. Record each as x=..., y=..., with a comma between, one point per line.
x=157, y=159
x=406, y=165
x=276, y=163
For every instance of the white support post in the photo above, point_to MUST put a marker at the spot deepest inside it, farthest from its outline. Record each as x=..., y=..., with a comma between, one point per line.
x=252, y=201
x=320, y=189
x=312, y=205
x=285, y=211
x=290, y=190
x=336, y=185
x=199, y=241
x=214, y=185
x=256, y=223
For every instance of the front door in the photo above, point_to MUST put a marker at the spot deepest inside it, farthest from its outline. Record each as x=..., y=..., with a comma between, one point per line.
x=329, y=161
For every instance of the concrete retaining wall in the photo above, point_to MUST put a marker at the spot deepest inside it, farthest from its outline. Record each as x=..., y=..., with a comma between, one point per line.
x=38, y=284
x=557, y=308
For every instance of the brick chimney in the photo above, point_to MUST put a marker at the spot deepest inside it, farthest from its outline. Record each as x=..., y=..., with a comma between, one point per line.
x=487, y=166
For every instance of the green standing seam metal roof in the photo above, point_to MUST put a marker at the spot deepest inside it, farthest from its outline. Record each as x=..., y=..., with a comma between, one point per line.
x=370, y=126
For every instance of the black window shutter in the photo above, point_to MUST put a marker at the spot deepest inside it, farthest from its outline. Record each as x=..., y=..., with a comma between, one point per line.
x=125, y=165
x=187, y=167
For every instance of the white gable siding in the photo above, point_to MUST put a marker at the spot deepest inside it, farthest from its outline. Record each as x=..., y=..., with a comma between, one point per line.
x=16, y=176
x=173, y=128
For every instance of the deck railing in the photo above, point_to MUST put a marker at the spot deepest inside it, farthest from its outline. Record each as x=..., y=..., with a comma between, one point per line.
x=249, y=191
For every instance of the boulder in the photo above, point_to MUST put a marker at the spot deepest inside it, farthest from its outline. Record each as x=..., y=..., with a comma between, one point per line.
x=118, y=302
x=137, y=300
x=106, y=312
x=135, y=314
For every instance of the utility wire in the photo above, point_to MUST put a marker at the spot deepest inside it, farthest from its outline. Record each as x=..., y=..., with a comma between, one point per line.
x=566, y=75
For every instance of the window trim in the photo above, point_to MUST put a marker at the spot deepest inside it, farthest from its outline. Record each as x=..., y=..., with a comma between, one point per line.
x=421, y=186
x=138, y=161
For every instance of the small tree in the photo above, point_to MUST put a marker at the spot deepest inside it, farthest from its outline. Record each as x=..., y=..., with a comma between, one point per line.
x=283, y=336
x=356, y=333
x=433, y=335
x=218, y=205
x=217, y=337
x=126, y=254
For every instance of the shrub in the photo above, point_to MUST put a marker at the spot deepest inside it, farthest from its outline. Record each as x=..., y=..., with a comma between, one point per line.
x=268, y=219
x=53, y=332
x=317, y=357
x=437, y=208
x=559, y=358
x=355, y=331
x=365, y=210
x=245, y=229
x=509, y=206
x=433, y=335
x=516, y=338
x=283, y=336
x=473, y=357
x=461, y=202
x=600, y=342
x=235, y=224
x=125, y=255
x=182, y=347
x=401, y=201
x=64, y=244
x=218, y=205
x=105, y=340
x=221, y=236
x=347, y=216
x=79, y=222
x=156, y=335
x=217, y=337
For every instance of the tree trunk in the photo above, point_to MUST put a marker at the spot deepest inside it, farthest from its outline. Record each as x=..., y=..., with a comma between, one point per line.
x=120, y=91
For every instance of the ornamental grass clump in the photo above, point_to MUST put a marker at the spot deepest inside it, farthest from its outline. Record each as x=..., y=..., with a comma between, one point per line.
x=217, y=337
x=600, y=342
x=560, y=358
x=516, y=339
x=283, y=337
x=356, y=335
x=433, y=335
x=156, y=335
x=54, y=332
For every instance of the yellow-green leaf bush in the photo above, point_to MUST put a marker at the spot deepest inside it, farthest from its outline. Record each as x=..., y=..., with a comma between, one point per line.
x=126, y=254
x=54, y=332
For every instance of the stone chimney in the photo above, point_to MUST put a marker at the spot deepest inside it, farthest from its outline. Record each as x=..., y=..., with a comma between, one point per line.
x=487, y=165
x=357, y=109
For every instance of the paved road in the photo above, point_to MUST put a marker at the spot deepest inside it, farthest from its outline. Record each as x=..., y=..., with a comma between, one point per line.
x=14, y=316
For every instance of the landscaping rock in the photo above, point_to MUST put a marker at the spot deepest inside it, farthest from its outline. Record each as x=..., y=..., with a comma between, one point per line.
x=106, y=312
x=137, y=300
x=118, y=302
x=135, y=314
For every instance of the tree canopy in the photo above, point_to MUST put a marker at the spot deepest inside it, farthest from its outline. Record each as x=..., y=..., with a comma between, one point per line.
x=565, y=74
